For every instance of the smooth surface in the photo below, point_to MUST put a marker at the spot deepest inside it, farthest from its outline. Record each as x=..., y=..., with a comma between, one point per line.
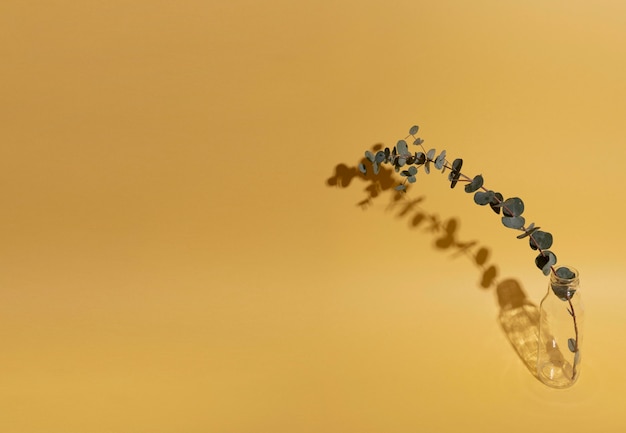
x=174, y=260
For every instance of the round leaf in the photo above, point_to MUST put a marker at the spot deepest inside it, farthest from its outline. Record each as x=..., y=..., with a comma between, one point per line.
x=516, y=222
x=540, y=239
x=441, y=160
x=545, y=261
x=475, y=184
x=513, y=207
x=571, y=345
x=454, y=175
x=565, y=273
x=402, y=147
x=483, y=198
x=496, y=202
x=414, y=129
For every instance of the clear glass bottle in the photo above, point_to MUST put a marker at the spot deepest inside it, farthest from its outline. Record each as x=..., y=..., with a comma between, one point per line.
x=560, y=330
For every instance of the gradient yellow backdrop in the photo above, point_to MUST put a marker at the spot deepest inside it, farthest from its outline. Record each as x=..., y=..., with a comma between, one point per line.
x=172, y=258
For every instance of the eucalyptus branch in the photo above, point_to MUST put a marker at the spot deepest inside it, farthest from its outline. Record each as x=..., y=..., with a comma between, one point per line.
x=407, y=163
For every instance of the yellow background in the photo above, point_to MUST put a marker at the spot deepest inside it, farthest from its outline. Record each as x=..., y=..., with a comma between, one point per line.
x=173, y=258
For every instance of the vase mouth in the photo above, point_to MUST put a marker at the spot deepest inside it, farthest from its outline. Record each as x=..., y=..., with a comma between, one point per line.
x=560, y=272
x=564, y=282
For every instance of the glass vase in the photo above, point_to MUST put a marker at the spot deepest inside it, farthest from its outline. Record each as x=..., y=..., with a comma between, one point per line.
x=560, y=330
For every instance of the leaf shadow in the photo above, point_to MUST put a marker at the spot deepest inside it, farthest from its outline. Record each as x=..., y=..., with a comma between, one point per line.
x=518, y=317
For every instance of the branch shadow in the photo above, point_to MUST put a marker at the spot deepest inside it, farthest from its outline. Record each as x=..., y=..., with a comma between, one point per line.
x=518, y=317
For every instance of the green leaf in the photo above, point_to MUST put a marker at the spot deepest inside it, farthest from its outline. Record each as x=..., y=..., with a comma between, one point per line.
x=483, y=198
x=496, y=202
x=369, y=155
x=376, y=167
x=431, y=154
x=427, y=166
x=402, y=147
x=456, y=165
x=418, y=141
x=529, y=231
x=540, y=239
x=475, y=184
x=414, y=130
x=545, y=261
x=362, y=168
x=401, y=162
x=516, y=222
x=413, y=170
x=441, y=160
x=420, y=158
x=571, y=344
x=513, y=207
x=565, y=273
x=400, y=188
x=380, y=156
x=411, y=179
x=454, y=175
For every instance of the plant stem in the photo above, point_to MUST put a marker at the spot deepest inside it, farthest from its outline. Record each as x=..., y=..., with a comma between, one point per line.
x=571, y=306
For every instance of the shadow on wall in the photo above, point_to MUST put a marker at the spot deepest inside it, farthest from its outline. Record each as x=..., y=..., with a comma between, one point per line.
x=518, y=317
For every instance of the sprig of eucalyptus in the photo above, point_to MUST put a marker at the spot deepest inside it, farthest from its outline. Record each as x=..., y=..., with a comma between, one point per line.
x=407, y=163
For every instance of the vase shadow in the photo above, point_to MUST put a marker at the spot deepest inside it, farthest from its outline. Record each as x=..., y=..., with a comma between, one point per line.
x=518, y=317
x=519, y=320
